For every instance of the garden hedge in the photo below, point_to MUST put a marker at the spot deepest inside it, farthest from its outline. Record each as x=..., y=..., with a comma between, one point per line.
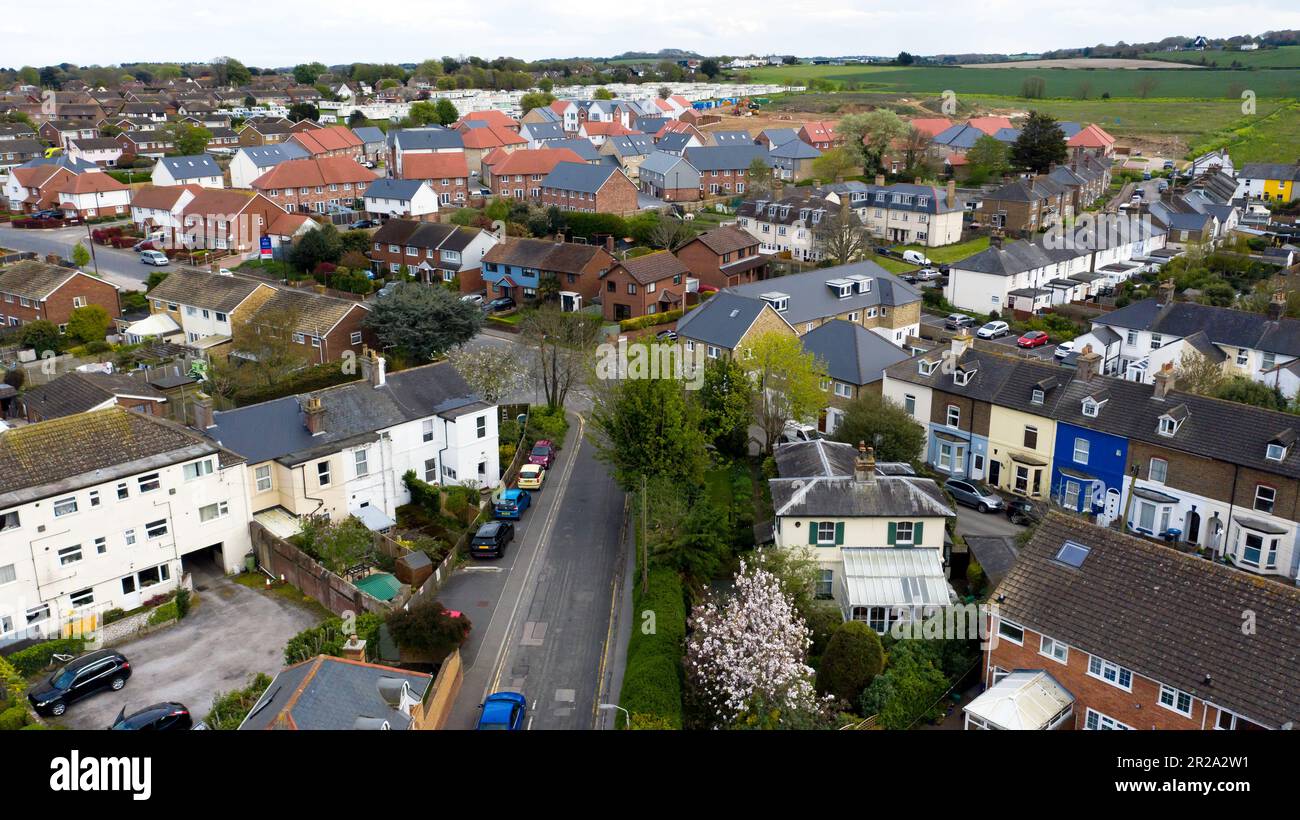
x=652, y=683
x=33, y=659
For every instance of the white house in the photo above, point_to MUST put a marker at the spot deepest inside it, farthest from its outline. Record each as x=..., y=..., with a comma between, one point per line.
x=154, y=207
x=103, y=151
x=251, y=161
x=400, y=197
x=106, y=509
x=201, y=169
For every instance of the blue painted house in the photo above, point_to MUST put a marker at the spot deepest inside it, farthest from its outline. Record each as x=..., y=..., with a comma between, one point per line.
x=1088, y=469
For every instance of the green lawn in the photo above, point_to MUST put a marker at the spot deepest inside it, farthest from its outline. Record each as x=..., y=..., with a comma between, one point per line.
x=1283, y=57
x=1190, y=120
x=894, y=266
x=948, y=254
x=1272, y=137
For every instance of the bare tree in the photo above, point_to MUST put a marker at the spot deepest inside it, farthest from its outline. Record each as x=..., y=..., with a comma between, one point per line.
x=494, y=372
x=670, y=233
x=843, y=238
x=563, y=345
x=264, y=344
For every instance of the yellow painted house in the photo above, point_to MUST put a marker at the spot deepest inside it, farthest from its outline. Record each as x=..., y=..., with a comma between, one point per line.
x=1020, y=450
x=1270, y=181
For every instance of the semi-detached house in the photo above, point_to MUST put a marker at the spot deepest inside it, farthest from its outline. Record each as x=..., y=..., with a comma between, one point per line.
x=435, y=253
x=516, y=268
x=318, y=185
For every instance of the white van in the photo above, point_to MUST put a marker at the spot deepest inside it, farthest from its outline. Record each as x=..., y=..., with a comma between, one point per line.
x=157, y=258
x=916, y=258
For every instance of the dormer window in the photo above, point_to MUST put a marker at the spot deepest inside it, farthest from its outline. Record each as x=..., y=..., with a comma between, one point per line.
x=1037, y=396
x=1090, y=408
x=863, y=283
x=1168, y=426
x=778, y=301
x=962, y=377
x=1276, y=452
x=927, y=367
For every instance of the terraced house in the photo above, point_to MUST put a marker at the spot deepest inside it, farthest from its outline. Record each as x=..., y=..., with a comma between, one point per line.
x=911, y=214
x=31, y=290
x=434, y=252
x=789, y=224
x=315, y=185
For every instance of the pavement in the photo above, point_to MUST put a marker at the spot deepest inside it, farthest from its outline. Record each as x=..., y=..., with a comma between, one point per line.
x=548, y=615
x=121, y=266
x=232, y=632
x=974, y=522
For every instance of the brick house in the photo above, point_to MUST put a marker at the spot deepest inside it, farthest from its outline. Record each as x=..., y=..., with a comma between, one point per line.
x=82, y=392
x=31, y=187
x=446, y=174
x=516, y=268
x=265, y=132
x=645, y=285
x=331, y=141
x=1136, y=635
x=820, y=135
x=519, y=174
x=722, y=324
x=669, y=177
x=31, y=290
x=481, y=138
x=724, y=169
x=723, y=257
x=435, y=252
x=314, y=184
x=577, y=186
x=61, y=132
x=152, y=143
x=1027, y=205
x=325, y=329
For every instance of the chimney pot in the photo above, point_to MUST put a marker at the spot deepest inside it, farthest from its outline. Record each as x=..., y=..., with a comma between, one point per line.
x=315, y=413
x=1164, y=381
x=1086, y=365
x=960, y=344
x=1277, y=305
x=880, y=180
x=354, y=649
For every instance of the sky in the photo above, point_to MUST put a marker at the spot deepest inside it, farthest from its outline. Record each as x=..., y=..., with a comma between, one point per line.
x=271, y=33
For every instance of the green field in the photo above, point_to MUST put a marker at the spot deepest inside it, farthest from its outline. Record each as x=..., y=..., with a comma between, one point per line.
x=1274, y=136
x=1190, y=119
x=1284, y=57
x=1065, y=83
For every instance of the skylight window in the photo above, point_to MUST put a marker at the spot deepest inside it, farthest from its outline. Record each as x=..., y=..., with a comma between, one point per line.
x=1072, y=554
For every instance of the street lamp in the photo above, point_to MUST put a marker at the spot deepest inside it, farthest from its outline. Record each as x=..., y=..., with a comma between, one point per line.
x=607, y=707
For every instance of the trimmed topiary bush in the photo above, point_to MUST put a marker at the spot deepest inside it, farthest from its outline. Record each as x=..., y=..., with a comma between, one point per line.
x=853, y=659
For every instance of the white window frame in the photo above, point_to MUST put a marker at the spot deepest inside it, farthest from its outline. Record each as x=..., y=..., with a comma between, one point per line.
x=262, y=475
x=827, y=540
x=1104, y=722
x=1054, y=649
x=1105, y=667
x=1085, y=450
x=64, y=502
x=1175, y=696
x=1004, y=624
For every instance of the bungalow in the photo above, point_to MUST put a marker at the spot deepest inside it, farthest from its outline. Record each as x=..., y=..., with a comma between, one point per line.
x=201, y=170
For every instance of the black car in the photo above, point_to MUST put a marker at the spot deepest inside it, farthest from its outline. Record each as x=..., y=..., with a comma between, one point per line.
x=161, y=717
x=666, y=335
x=48, y=214
x=501, y=303
x=362, y=223
x=78, y=678
x=491, y=539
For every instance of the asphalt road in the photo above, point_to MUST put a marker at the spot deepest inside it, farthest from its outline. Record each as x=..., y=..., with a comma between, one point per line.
x=122, y=267
x=1046, y=352
x=974, y=522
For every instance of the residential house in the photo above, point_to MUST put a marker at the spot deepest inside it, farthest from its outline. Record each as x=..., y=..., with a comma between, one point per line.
x=103, y=151
x=270, y=131
x=518, y=174
x=330, y=141
x=481, y=138
x=903, y=212
x=789, y=224
x=676, y=142
x=516, y=268
x=574, y=186
x=586, y=152
x=234, y=221
x=106, y=509
x=201, y=304
x=629, y=152
x=1138, y=636
x=853, y=361
x=343, y=450
x=372, y=143
x=90, y=195
x=404, y=142
x=539, y=134
x=597, y=132
x=153, y=144
x=725, y=169
x=820, y=135
x=644, y=285
x=726, y=323
x=201, y=170
x=1271, y=181
x=249, y=163
x=31, y=290
x=388, y=197
x=770, y=138
x=730, y=138
x=318, y=185
x=1092, y=140
x=343, y=694
x=669, y=177
x=723, y=257
x=793, y=160
x=61, y=132
x=76, y=392
x=878, y=538
x=432, y=252
x=154, y=207
x=1025, y=206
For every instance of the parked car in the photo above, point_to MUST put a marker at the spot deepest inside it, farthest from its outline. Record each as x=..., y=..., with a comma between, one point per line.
x=543, y=453
x=531, y=477
x=49, y=213
x=161, y=717
x=512, y=503
x=1022, y=511
x=794, y=431
x=225, y=272
x=501, y=303
x=1146, y=175
x=1169, y=165
x=993, y=330
x=144, y=245
x=491, y=539
x=79, y=678
x=362, y=224
x=1063, y=349
x=958, y=321
x=1033, y=338
x=916, y=258
x=666, y=335
x=973, y=494
x=156, y=258
x=883, y=251
x=503, y=711
x=473, y=298
x=926, y=274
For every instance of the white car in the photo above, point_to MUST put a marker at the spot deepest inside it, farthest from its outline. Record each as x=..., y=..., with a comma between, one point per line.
x=1063, y=349
x=473, y=298
x=993, y=330
x=794, y=431
x=157, y=258
x=916, y=258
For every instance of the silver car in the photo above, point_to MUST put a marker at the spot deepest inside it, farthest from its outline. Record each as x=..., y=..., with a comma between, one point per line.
x=973, y=494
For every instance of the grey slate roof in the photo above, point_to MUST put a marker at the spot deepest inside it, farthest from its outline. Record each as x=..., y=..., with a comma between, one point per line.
x=851, y=353
x=725, y=157
x=823, y=457
x=1223, y=326
x=266, y=156
x=1165, y=615
x=811, y=298
x=1269, y=170
x=369, y=134
x=78, y=392
x=892, y=496
x=545, y=130
x=675, y=142
x=579, y=146
x=780, y=136
x=192, y=167
x=634, y=145
x=722, y=320
x=795, y=149
x=389, y=188
x=331, y=693
x=354, y=413
x=579, y=176
x=425, y=139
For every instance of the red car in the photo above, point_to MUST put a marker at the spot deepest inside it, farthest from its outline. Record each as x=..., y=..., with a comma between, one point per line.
x=543, y=453
x=1034, y=338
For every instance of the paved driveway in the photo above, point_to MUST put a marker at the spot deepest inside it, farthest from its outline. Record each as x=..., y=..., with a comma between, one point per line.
x=232, y=633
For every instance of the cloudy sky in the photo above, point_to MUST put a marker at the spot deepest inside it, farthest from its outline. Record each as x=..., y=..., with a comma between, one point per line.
x=271, y=33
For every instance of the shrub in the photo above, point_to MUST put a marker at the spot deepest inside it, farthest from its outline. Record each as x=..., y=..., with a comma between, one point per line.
x=975, y=578
x=650, y=321
x=328, y=638
x=114, y=615
x=544, y=423
x=13, y=718
x=853, y=659
x=163, y=614
x=426, y=627
x=230, y=708
x=33, y=659
x=823, y=621
x=182, y=602
x=423, y=494
x=652, y=684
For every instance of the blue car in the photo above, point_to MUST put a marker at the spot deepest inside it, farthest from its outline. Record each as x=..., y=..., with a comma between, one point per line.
x=512, y=503
x=503, y=711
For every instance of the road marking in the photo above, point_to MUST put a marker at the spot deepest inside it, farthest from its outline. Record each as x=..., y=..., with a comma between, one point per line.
x=552, y=514
x=566, y=695
x=534, y=633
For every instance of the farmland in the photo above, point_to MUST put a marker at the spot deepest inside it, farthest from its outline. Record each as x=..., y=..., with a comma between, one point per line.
x=1284, y=57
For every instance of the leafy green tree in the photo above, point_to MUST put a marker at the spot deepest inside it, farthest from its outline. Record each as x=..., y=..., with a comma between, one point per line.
x=189, y=139
x=685, y=531
x=88, y=324
x=990, y=155
x=80, y=256
x=602, y=94
x=320, y=245
x=422, y=321
x=834, y=164
x=423, y=113
x=710, y=68
x=871, y=135
x=535, y=99
x=1041, y=144
x=427, y=627
x=853, y=659
x=342, y=545
x=787, y=383
x=306, y=73
x=759, y=178
x=726, y=406
x=909, y=689
x=1246, y=390
x=41, y=335
x=546, y=85
x=300, y=111
x=883, y=424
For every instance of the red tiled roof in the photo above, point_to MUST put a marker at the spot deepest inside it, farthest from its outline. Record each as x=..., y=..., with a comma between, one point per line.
x=819, y=131
x=931, y=126
x=305, y=173
x=489, y=136
x=500, y=119
x=161, y=197
x=536, y=161
x=1091, y=137
x=989, y=125
x=438, y=165
x=322, y=140
x=90, y=183
x=607, y=129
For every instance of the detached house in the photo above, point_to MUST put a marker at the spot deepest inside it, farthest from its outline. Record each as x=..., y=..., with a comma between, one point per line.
x=103, y=151
x=655, y=283
x=61, y=132
x=400, y=197
x=723, y=257
x=154, y=144
x=516, y=268
x=406, y=142
x=201, y=170
x=31, y=290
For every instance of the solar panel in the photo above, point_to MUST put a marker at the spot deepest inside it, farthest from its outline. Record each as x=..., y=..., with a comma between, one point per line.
x=1072, y=554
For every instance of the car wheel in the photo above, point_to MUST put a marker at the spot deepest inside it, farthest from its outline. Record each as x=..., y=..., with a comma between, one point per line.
x=983, y=507
x=58, y=709
x=118, y=683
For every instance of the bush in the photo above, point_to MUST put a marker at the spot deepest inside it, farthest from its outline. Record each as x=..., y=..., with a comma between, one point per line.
x=328, y=638
x=182, y=602
x=823, y=620
x=853, y=659
x=650, y=320
x=114, y=615
x=230, y=708
x=163, y=614
x=544, y=423
x=13, y=718
x=975, y=578
x=652, y=683
x=33, y=659
x=427, y=627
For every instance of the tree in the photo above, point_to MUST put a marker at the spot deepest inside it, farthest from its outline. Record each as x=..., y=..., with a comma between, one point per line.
x=340, y=545
x=80, y=256
x=1146, y=83
x=306, y=73
x=685, y=531
x=320, y=245
x=535, y=99
x=670, y=233
x=990, y=155
x=1198, y=373
x=561, y=344
x=357, y=119
x=710, y=68
x=40, y=335
x=428, y=628
x=759, y=178
x=423, y=322
x=747, y=652
x=843, y=238
x=602, y=94
x=871, y=135
x=833, y=164
x=646, y=427
x=904, y=58
x=229, y=71
x=446, y=111
x=89, y=324
x=726, y=402
x=300, y=111
x=664, y=91
x=909, y=689
x=267, y=342
x=188, y=139
x=1246, y=390
x=1033, y=88
x=493, y=372
x=787, y=383
x=423, y=113
x=916, y=153
x=546, y=85
x=884, y=424
x=16, y=378
x=853, y=659
x=1041, y=144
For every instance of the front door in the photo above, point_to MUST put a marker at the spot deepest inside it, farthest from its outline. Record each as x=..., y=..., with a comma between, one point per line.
x=1193, y=524
x=130, y=592
x=995, y=473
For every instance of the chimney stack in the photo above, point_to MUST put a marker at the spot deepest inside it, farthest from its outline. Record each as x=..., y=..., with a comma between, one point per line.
x=374, y=368
x=1277, y=305
x=864, y=466
x=315, y=416
x=1164, y=381
x=354, y=649
x=880, y=180
x=952, y=193
x=1086, y=365
x=961, y=343
x=609, y=244
x=995, y=239
x=203, y=411
x=1167, y=292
